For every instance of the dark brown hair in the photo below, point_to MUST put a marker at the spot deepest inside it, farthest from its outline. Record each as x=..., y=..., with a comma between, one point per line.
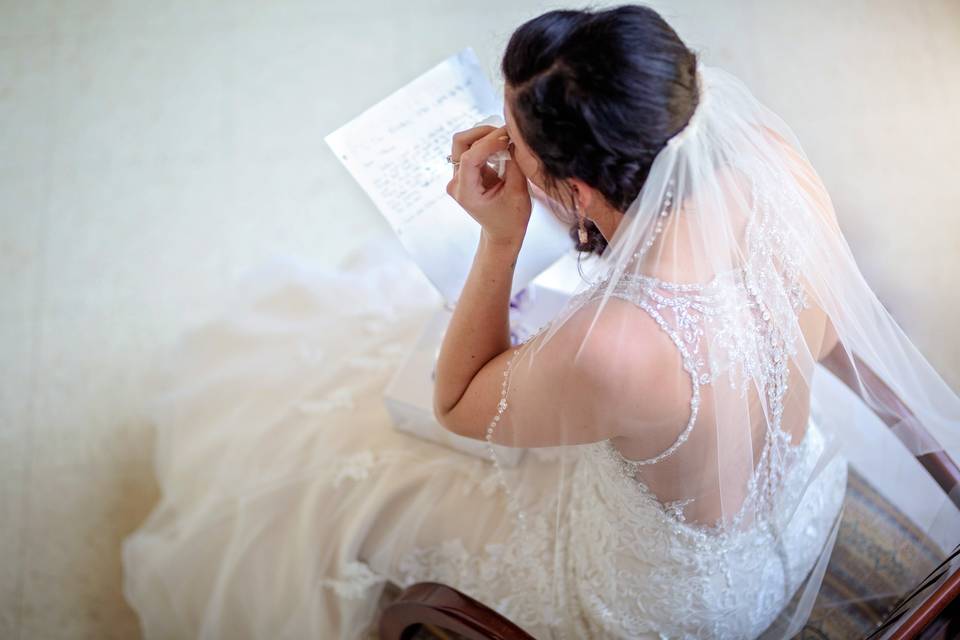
x=596, y=94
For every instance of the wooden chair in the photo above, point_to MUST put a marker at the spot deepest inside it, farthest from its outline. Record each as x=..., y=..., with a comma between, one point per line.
x=428, y=609
x=437, y=605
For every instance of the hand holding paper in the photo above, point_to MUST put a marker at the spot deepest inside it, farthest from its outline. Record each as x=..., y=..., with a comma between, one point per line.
x=501, y=206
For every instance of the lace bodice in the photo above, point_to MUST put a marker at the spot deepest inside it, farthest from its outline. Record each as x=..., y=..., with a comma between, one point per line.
x=747, y=315
x=685, y=312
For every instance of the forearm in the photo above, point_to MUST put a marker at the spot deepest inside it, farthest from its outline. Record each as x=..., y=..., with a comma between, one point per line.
x=480, y=327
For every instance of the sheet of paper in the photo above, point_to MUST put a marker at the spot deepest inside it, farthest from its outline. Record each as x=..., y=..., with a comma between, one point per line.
x=396, y=150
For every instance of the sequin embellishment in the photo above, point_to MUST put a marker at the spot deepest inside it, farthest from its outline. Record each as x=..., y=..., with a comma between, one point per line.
x=501, y=407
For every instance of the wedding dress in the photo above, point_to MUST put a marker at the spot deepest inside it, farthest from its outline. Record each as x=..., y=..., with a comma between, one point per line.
x=289, y=500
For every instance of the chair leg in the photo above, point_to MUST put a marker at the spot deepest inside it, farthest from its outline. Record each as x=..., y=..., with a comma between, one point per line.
x=432, y=603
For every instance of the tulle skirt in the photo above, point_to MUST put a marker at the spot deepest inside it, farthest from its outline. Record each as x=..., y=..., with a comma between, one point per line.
x=288, y=499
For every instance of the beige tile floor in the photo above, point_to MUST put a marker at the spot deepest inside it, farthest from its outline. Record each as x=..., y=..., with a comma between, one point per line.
x=152, y=152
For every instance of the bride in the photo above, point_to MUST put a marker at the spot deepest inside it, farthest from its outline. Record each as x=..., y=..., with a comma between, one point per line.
x=679, y=479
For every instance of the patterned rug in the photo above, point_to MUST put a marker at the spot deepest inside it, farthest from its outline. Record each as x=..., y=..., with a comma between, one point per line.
x=879, y=557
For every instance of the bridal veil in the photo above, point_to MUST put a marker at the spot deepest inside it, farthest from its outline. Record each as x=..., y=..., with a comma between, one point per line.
x=727, y=287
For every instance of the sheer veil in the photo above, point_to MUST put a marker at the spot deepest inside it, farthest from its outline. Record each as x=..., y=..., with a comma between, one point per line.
x=695, y=340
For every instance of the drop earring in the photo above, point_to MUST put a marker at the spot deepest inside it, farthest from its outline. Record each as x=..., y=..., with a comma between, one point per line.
x=582, y=231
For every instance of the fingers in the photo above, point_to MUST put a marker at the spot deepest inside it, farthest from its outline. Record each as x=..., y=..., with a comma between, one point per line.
x=484, y=146
x=463, y=139
x=474, y=158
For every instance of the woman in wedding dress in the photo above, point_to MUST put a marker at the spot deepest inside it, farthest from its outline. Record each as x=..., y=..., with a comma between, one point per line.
x=679, y=479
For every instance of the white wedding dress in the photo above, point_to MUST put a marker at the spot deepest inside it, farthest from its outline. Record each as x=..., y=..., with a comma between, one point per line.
x=288, y=499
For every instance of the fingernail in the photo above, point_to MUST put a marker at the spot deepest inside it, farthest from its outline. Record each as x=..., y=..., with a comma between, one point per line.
x=503, y=138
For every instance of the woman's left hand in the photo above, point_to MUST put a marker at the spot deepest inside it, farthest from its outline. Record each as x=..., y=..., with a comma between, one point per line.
x=502, y=207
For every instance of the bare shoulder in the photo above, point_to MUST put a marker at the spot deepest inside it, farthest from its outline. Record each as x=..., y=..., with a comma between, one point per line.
x=631, y=366
x=595, y=376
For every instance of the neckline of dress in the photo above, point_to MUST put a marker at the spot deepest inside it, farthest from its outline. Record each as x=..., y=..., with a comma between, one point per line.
x=674, y=285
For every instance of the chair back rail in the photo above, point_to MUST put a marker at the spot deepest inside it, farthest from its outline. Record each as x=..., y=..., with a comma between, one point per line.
x=445, y=607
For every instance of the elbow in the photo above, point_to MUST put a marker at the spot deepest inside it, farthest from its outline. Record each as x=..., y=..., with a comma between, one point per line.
x=443, y=417
x=452, y=421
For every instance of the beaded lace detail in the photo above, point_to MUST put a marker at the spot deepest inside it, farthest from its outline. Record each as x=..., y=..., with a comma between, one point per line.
x=693, y=307
x=501, y=407
x=746, y=310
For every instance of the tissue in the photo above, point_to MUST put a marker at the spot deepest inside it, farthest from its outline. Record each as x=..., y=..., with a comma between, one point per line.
x=498, y=161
